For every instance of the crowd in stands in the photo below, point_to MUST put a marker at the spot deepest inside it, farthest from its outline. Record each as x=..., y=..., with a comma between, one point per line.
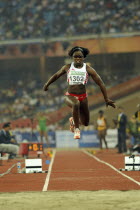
x=55, y=18
x=25, y=99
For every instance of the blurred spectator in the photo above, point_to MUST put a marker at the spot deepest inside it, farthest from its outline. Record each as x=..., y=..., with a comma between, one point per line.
x=136, y=148
x=42, y=126
x=121, y=124
x=132, y=134
x=102, y=128
x=137, y=113
x=7, y=142
x=132, y=130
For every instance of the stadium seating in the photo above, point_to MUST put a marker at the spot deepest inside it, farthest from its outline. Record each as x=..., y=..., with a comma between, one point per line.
x=35, y=19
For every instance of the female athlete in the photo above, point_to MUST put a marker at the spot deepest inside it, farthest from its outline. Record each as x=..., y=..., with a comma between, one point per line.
x=76, y=96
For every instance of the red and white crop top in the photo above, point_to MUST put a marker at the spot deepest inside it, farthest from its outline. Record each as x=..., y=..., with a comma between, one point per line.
x=77, y=76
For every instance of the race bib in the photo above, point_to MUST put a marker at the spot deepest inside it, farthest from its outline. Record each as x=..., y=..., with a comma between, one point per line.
x=76, y=79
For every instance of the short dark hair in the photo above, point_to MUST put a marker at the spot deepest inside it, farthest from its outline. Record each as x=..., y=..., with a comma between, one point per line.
x=6, y=125
x=85, y=51
x=101, y=112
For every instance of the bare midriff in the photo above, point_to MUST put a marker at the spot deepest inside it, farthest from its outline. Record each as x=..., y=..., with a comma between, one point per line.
x=76, y=89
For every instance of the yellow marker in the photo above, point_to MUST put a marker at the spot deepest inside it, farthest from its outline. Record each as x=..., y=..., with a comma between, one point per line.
x=51, y=155
x=94, y=152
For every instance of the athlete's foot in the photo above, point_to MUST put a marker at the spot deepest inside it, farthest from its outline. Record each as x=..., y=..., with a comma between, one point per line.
x=77, y=133
x=72, y=126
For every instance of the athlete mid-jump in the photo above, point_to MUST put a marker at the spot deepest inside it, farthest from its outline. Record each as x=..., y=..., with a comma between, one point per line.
x=76, y=96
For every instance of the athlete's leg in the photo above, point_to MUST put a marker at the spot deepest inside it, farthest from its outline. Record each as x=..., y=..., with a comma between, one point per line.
x=84, y=112
x=41, y=136
x=105, y=142
x=74, y=103
x=46, y=137
x=104, y=138
x=100, y=138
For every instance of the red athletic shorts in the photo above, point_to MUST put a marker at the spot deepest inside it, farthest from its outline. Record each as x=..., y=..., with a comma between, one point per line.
x=80, y=97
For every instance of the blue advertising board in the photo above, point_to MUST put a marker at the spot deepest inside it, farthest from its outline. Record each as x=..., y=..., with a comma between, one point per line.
x=89, y=139
x=34, y=137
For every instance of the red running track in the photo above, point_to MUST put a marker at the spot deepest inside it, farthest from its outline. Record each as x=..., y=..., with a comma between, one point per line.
x=75, y=170
x=14, y=182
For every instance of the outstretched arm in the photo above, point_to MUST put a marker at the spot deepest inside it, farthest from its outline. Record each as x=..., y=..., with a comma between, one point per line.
x=101, y=84
x=58, y=74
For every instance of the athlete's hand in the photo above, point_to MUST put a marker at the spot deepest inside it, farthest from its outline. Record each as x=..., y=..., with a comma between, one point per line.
x=110, y=103
x=45, y=88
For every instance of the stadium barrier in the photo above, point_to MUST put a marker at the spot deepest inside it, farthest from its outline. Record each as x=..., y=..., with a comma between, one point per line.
x=64, y=138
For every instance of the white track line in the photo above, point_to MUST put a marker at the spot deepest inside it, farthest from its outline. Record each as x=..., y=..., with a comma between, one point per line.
x=49, y=173
x=115, y=169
